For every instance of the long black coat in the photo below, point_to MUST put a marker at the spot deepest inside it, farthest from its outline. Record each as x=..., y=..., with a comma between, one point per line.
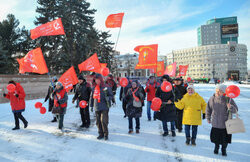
x=82, y=92
x=48, y=96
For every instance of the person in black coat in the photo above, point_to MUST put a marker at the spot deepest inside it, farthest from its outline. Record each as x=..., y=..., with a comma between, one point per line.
x=51, y=88
x=167, y=111
x=123, y=92
x=83, y=92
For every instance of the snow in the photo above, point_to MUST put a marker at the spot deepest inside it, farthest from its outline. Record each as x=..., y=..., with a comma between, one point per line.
x=42, y=141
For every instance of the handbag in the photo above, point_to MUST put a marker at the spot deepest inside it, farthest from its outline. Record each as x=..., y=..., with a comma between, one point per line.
x=56, y=110
x=137, y=103
x=235, y=125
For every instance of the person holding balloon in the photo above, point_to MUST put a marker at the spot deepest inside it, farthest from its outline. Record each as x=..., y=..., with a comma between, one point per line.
x=193, y=106
x=82, y=93
x=219, y=108
x=16, y=95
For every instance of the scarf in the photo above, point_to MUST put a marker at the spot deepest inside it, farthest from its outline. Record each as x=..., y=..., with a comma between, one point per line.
x=97, y=93
x=136, y=98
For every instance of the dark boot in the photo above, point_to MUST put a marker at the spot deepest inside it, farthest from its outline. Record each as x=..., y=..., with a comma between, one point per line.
x=193, y=142
x=216, y=148
x=165, y=134
x=188, y=139
x=100, y=136
x=137, y=131
x=106, y=138
x=173, y=134
x=25, y=124
x=54, y=120
x=130, y=131
x=16, y=128
x=224, y=149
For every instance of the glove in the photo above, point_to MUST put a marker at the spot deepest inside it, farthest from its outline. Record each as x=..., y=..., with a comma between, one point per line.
x=4, y=95
x=203, y=116
x=16, y=95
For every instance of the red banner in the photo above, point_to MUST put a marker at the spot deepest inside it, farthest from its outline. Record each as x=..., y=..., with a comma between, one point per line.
x=171, y=70
x=183, y=70
x=147, y=56
x=114, y=20
x=103, y=65
x=91, y=64
x=33, y=62
x=69, y=78
x=160, y=68
x=51, y=28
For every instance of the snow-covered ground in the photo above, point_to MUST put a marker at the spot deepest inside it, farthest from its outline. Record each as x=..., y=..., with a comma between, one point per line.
x=42, y=141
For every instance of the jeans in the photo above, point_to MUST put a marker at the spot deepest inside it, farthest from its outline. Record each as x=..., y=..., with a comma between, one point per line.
x=149, y=110
x=130, y=123
x=194, y=131
x=60, y=123
x=165, y=126
x=17, y=116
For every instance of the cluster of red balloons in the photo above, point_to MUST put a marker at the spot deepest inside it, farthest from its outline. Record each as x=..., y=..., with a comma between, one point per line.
x=156, y=104
x=232, y=91
x=11, y=88
x=39, y=105
x=105, y=71
x=123, y=82
x=83, y=104
x=166, y=86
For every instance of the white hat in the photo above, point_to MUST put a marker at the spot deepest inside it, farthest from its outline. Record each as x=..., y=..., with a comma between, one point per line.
x=221, y=87
x=190, y=86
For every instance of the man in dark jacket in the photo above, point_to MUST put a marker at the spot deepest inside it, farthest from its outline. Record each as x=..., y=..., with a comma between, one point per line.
x=82, y=92
x=51, y=88
x=123, y=93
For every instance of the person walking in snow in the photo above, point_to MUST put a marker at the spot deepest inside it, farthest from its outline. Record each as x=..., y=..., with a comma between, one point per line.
x=83, y=92
x=101, y=101
x=60, y=103
x=51, y=88
x=193, y=106
x=123, y=93
x=134, y=100
x=17, y=102
x=219, y=108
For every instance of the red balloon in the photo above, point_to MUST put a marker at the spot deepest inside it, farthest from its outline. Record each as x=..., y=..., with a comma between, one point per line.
x=83, y=104
x=123, y=82
x=189, y=79
x=11, y=87
x=233, y=91
x=105, y=71
x=156, y=104
x=38, y=105
x=166, y=86
x=42, y=110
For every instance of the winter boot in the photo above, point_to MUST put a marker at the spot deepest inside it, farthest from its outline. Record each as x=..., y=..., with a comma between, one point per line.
x=188, y=140
x=165, y=134
x=16, y=128
x=137, y=131
x=216, y=148
x=106, y=138
x=173, y=134
x=224, y=149
x=130, y=131
x=193, y=142
x=26, y=125
x=54, y=120
x=100, y=137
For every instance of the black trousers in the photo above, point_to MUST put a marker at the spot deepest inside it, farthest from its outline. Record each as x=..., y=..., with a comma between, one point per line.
x=124, y=104
x=178, y=122
x=85, y=116
x=17, y=116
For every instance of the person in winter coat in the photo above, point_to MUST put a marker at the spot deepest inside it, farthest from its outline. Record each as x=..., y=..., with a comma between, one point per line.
x=112, y=84
x=193, y=105
x=60, y=103
x=217, y=113
x=123, y=93
x=167, y=111
x=150, y=89
x=181, y=91
x=101, y=101
x=17, y=102
x=134, y=99
x=83, y=92
x=51, y=88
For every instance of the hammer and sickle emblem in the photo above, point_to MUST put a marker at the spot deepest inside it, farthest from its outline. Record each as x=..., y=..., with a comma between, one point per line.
x=56, y=25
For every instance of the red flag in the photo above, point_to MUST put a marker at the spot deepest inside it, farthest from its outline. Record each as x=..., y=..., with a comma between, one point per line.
x=51, y=28
x=103, y=65
x=33, y=62
x=91, y=64
x=152, y=71
x=69, y=78
x=147, y=56
x=114, y=20
x=160, y=68
x=171, y=70
x=183, y=70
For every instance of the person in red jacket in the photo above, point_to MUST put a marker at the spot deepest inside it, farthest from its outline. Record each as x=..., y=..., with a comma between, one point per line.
x=150, y=89
x=17, y=103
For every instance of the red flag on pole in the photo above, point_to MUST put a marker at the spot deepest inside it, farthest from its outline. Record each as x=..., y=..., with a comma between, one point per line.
x=114, y=20
x=160, y=68
x=69, y=78
x=33, y=62
x=171, y=70
x=183, y=70
x=51, y=28
x=147, y=56
x=103, y=65
x=91, y=64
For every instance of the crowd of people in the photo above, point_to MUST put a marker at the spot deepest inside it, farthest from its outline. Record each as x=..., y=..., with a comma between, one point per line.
x=182, y=106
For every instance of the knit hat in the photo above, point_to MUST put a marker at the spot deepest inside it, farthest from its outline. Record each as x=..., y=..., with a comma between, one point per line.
x=59, y=84
x=190, y=86
x=221, y=87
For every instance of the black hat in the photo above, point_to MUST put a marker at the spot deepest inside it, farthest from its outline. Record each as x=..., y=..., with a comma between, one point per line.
x=178, y=79
x=80, y=77
x=166, y=77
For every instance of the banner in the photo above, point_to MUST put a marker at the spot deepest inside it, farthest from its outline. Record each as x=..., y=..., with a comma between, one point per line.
x=171, y=70
x=69, y=78
x=91, y=64
x=147, y=56
x=103, y=65
x=51, y=28
x=33, y=62
x=160, y=68
x=183, y=70
x=114, y=20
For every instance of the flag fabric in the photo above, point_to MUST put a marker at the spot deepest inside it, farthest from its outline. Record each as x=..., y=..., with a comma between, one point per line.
x=171, y=70
x=147, y=56
x=69, y=78
x=183, y=70
x=152, y=71
x=103, y=65
x=114, y=20
x=91, y=64
x=160, y=68
x=51, y=28
x=33, y=62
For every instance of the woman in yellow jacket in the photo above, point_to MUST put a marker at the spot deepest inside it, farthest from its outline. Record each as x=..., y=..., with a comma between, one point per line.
x=192, y=104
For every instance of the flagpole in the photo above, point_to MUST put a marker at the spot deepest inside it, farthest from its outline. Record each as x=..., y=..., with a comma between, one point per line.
x=118, y=37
